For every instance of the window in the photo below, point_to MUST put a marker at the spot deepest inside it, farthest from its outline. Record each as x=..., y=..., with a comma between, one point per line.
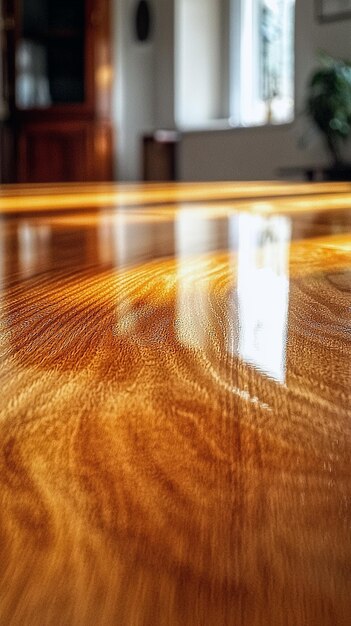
x=262, y=68
x=235, y=59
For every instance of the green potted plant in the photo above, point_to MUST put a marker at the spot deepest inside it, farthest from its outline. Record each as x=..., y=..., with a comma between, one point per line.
x=328, y=104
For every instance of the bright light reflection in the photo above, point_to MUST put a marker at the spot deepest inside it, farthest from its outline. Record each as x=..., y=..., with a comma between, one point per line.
x=124, y=241
x=125, y=244
x=110, y=237
x=19, y=198
x=195, y=235
x=34, y=247
x=262, y=290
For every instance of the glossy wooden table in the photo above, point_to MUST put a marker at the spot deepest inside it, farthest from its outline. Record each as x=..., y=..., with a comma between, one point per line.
x=175, y=410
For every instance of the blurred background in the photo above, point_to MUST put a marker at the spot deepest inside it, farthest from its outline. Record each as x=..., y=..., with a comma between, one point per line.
x=99, y=90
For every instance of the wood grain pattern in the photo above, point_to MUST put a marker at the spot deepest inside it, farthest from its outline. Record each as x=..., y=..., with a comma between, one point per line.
x=175, y=432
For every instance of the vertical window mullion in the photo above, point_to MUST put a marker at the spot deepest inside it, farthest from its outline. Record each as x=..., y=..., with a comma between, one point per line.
x=246, y=62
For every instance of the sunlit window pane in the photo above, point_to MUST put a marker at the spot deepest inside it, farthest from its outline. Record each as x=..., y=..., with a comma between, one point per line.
x=264, y=77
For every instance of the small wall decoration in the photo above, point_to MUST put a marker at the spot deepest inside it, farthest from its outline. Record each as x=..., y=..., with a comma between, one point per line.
x=331, y=10
x=142, y=21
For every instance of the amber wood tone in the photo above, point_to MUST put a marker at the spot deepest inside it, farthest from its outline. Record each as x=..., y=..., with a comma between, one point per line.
x=67, y=151
x=175, y=432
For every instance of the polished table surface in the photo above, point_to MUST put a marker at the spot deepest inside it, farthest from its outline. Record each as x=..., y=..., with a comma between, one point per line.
x=175, y=408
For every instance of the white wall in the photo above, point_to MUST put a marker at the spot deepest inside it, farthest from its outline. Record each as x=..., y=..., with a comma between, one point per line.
x=258, y=153
x=143, y=92
x=164, y=64
x=134, y=106
x=197, y=61
x=144, y=100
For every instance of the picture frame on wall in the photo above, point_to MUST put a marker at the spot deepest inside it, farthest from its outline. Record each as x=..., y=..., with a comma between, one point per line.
x=332, y=10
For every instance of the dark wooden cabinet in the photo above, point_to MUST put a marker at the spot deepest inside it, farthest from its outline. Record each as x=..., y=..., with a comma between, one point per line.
x=159, y=156
x=56, y=100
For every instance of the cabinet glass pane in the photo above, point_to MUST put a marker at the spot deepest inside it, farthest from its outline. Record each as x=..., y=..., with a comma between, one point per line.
x=50, y=53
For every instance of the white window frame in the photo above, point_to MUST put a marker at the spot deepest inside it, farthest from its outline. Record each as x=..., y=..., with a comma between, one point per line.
x=231, y=101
